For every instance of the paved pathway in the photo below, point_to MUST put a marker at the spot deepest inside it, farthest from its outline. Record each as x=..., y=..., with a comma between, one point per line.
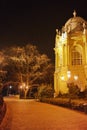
x=31, y=115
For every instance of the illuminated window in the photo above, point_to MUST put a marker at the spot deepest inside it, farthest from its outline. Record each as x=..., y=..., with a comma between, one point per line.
x=76, y=57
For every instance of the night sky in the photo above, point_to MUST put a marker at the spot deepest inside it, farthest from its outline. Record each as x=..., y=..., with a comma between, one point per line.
x=25, y=21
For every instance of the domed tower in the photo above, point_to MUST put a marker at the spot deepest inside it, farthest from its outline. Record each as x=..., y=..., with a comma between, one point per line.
x=71, y=55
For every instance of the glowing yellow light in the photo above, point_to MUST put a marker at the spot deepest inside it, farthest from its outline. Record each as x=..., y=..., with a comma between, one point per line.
x=75, y=77
x=62, y=78
x=21, y=87
x=23, y=84
x=10, y=87
x=26, y=87
x=68, y=74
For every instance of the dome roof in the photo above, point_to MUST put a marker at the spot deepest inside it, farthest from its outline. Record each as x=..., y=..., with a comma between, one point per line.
x=75, y=24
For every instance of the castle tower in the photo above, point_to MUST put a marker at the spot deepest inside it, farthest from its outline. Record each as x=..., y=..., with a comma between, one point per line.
x=71, y=55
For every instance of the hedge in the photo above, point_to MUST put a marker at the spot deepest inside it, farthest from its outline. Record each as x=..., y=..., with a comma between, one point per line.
x=80, y=105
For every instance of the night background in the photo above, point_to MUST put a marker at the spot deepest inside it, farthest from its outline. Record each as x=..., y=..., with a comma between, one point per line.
x=23, y=22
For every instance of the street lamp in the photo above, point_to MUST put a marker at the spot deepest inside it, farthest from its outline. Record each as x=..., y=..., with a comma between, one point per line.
x=62, y=78
x=75, y=77
x=9, y=90
x=68, y=74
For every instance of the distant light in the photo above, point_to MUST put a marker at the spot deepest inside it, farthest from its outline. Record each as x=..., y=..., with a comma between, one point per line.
x=26, y=87
x=21, y=87
x=10, y=86
x=23, y=84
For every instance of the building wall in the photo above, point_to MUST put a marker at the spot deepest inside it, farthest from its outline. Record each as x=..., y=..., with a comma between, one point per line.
x=65, y=45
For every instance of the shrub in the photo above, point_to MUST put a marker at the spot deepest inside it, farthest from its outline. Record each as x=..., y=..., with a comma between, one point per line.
x=73, y=91
x=63, y=95
x=75, y=104
x=1, y=100
x=45, y=91
x=85, y=93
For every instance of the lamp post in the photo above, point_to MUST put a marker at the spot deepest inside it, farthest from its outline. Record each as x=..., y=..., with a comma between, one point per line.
x=9, y=90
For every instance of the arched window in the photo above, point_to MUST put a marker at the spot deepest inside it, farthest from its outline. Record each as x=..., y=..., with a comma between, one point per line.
x=76, y=56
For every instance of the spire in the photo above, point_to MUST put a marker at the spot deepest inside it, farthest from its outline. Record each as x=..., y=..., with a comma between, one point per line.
x=84, y=27
x=74, y=13
x=56, y=31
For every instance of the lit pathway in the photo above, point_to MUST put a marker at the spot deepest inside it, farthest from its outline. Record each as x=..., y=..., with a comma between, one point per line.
x=31, y=115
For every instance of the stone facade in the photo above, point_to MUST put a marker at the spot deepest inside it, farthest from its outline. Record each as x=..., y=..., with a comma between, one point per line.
x=71, y=55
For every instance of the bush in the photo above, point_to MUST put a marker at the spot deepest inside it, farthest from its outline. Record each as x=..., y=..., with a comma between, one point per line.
x=73, y=91
x=1, y=100
x=83, y=94
x=63, y=95
x=2, y=111
x=75, y=104
x=2, y=108
x=45, y=91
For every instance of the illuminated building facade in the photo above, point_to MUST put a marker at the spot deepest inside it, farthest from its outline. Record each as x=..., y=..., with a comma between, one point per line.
x=71, y=55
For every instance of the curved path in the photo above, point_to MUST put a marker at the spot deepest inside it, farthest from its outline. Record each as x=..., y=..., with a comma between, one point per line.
x=31, y=115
